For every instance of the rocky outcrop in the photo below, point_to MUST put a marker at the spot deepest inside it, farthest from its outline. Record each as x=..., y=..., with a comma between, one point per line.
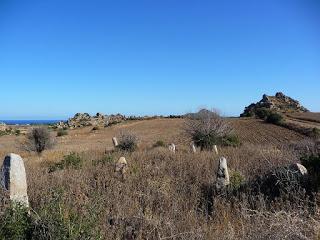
x=278, y=103
x=3, y=126
x=84, y=120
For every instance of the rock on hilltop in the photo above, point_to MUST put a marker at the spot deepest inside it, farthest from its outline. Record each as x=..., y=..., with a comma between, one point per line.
x=278, y=103
x=84, y=120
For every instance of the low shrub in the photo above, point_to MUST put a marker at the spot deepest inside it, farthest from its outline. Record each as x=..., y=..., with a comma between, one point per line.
x=128, y=142
x=263, y=113
x=274, y=118
x=62, y=132
x=104, y=161
x=312, y=163
x=231, y=140
x=95, y=128
x=159, y=143
x=315, y=133
x=73, y=160
x=15, y=223
x=236, y=180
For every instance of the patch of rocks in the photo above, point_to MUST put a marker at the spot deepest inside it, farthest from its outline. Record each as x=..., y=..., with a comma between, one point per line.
x=85, y=120
x=278, y=103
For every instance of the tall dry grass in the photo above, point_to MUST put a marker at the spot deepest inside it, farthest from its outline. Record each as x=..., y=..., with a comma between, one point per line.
x=163, y=197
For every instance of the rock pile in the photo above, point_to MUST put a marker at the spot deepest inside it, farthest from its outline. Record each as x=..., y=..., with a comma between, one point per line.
x=84, y=120
x=278, y=103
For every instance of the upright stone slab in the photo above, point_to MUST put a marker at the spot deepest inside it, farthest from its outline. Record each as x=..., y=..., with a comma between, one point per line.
x=172, y=148
x=14, y=180
x=121, y=165
x=193, y=148
x=115, y=142
x=223, y=179
x=215, y=148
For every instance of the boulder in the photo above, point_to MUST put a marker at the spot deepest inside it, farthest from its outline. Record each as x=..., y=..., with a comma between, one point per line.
x=13, y=179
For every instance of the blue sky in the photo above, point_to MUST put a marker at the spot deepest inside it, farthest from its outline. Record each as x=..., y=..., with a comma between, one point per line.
x=60, y=57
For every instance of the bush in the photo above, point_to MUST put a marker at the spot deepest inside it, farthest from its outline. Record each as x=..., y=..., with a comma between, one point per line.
x=38, y=140
x=15, y=223
x=17, y=132
x=312, y=163
x=128, y=142
x=73, y=160
x=104, y=161
x=315, y=133
x=62, y=132
x=206, y=129
x=159, y=143
x=263, y=113
x=274, y=118
x=236, y=180
x=231, y=140
x=95, y=128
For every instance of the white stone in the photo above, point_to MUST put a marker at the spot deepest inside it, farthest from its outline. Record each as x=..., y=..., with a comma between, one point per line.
x=215, y=148
x=14, y=180
x=121, y=165
x=115, y=142
x=222, y=174
x=172, y=148
x=299, y=168
x=193, y=148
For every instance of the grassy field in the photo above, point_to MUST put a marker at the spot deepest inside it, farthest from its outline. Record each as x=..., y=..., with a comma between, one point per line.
x=164, y=195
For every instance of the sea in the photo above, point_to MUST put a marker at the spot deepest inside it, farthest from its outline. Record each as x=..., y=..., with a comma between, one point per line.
x=30, y=122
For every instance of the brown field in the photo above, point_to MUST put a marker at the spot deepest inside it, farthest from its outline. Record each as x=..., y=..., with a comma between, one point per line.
x=162, y=195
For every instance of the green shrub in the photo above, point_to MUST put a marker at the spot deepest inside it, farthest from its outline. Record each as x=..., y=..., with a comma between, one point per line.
x=231, y=140
x=236, y=180
x=104, y=161
x=95, y=128
x=17, y=132
x=206, y=129
x=312, y=163
x=263, y=113
x=15, y=223
x=73, y=160
x=274, y=118
x=62, y=132
x=159, y=143
x=315, y=133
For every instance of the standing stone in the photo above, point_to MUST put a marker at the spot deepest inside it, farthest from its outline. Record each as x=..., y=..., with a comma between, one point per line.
x=222, y=174
x=215, y=148
x=299, y=168
x=14, y=180
x=172, y=147
x=115, y=142
x=193, y=148
x=122, y=166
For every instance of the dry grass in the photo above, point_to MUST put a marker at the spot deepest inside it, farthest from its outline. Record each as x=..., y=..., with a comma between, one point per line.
x=162, y=196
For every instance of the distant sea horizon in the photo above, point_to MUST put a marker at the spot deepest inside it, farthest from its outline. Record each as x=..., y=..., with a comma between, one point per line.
x=30, y=122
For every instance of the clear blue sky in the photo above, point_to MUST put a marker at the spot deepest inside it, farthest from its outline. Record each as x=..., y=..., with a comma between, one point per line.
x=59, y=57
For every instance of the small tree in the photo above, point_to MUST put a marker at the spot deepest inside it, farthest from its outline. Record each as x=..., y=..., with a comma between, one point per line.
x=38, y=139
x=206, y=129
x=128, y=141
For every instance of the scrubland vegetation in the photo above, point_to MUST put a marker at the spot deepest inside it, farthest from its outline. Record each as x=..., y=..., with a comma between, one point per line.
x=169, y=195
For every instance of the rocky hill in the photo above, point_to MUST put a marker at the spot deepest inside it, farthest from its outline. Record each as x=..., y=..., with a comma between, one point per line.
x=278, y=103
x=84, y=120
